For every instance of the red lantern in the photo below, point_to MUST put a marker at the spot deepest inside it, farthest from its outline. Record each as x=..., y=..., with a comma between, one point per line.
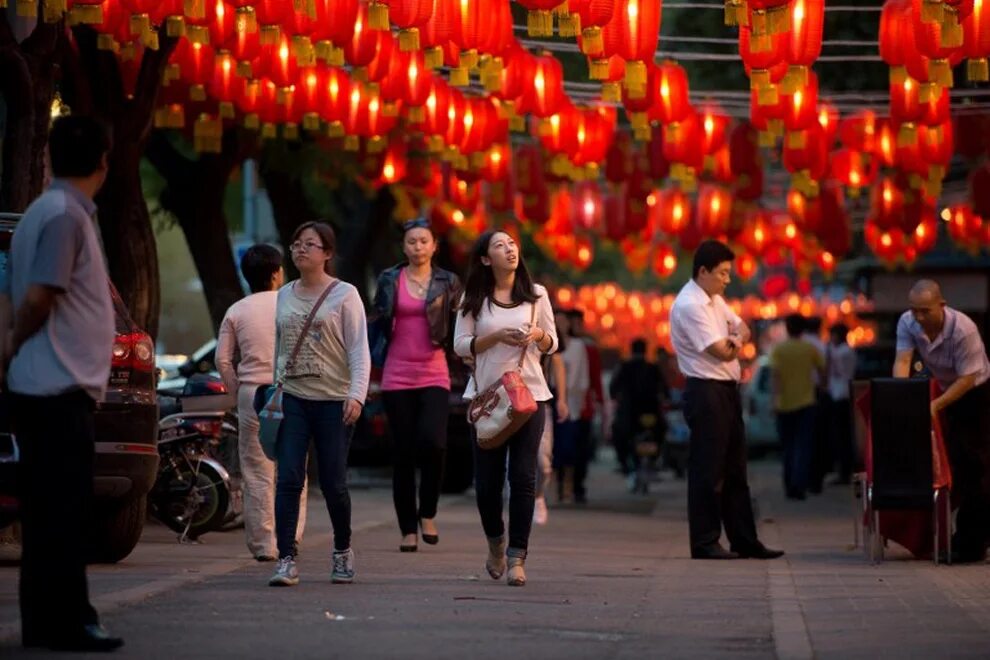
x=940, y=45
x=409, y=16
x=680, y=142
x=714, y=210
x=713, y=128
x=801, y=107
x=746, y=266
x=850, y=168
x=545, y=94
x=638, y=26
x=335, y=21
x=671, y=103
x=674, y=211
x=756, y=234
x=335, y=100
x=588, y=205
x=664, y=261
x=593, y=15
x=976, y=41
x=807, y=22
x=858, y=131
x=807, y=152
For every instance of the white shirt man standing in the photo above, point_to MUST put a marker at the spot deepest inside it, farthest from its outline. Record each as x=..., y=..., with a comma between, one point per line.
x=707, y=336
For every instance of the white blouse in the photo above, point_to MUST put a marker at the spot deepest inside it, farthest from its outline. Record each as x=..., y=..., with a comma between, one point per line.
x=491, y=364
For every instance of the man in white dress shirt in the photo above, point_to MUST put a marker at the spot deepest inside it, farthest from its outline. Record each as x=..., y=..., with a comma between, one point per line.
x=707, y=336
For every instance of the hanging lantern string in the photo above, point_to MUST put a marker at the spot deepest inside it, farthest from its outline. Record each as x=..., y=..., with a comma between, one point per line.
x=721, y=7
x=735, y=41
x=564, y=47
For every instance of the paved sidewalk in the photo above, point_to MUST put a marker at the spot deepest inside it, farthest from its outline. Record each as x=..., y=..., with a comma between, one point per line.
x=609, y=580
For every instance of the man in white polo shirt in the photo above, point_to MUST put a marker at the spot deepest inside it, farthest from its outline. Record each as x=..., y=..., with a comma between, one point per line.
x=950, y=346
x=707, y=336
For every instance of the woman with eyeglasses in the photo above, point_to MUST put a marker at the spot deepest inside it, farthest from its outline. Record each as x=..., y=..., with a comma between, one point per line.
x=410, y=335
x=324, y=391
x=497, y=322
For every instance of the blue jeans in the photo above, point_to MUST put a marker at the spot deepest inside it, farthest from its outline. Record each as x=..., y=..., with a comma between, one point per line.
x=323, y=421
x=797, y=434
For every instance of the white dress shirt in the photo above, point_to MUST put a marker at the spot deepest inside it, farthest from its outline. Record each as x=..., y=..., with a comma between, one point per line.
x=841, y=361
x=697, y=321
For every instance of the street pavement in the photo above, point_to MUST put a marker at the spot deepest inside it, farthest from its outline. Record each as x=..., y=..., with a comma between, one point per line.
x=611, y=579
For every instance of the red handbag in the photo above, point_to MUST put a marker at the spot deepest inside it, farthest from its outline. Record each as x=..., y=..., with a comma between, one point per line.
x=503, y=407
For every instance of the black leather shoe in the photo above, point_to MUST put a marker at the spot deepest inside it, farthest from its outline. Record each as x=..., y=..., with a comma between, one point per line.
x=429, y=539
x=92, y=638
x=713, y=552
x=761, y=552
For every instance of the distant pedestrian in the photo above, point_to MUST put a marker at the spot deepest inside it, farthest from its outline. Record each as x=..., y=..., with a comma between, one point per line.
x=594, y=403
x=245, y=356
x=415, y=305
x=639, y=389
x=949, y=344
x=555, y=374
x=707, y=336
x=325, y=388
x=796, y=366
x=821, y=452
x=493, y=327
x=58, y=332
x=569, y=452
x=840, y=368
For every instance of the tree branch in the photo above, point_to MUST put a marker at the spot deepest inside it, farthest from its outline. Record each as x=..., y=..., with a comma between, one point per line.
x=149, y=80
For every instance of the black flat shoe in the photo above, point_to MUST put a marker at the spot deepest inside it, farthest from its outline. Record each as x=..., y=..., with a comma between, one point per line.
x=88, y=639
x=408, y=548
x=761, y=552
x=713, y=552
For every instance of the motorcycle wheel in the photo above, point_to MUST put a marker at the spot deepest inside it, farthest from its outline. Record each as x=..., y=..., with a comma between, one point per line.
x=191, y=503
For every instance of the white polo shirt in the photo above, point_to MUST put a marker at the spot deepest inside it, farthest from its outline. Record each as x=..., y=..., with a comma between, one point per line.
x=696, y=322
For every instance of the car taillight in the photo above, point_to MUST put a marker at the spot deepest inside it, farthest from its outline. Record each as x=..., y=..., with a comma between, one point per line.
x=134, y=351
x=209, y=428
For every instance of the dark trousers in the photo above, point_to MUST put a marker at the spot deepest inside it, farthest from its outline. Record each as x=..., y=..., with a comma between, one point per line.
x=418, y=420
x=718, y=490
x=56, y=437
x=968, y=435
x=840, y=426
x=585, y=451
x=797, y=436
x=821, y=444
x=522, y=450
x=323, y=421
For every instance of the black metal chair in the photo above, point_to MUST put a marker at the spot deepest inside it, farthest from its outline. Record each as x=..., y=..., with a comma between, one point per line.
x=901, y=441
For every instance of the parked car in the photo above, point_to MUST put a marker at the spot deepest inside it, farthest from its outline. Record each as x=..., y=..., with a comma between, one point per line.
x=126, y=460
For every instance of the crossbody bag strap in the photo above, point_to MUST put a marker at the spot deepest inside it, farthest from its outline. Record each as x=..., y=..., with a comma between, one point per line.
x=522, y=354
x=305, y=329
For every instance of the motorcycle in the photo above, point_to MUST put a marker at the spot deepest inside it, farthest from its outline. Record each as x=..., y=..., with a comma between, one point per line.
x=195, y=493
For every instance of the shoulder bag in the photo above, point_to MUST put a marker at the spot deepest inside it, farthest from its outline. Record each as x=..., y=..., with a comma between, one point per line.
x=270, y=416
x=504, y=406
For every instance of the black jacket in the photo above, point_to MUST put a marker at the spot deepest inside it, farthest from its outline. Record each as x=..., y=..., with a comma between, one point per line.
x=442, y=297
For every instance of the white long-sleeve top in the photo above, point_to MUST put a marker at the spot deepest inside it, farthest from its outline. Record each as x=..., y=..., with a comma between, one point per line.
x=334, y=361
x=246, y=341
x=491, y=364
x=576, y=368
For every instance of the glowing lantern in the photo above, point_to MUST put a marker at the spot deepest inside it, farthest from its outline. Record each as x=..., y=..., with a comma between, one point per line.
x=545, y=94
x=746, y=266
x=664, y=261
x=584, y=253
x=805, y=42
x=671, y=102
x=713, y=127
x=593, y=15
x=714, y=210
x=858, y=131
x=976, y=41
x=409, y=16
x=588, y=205
x=801, y=107
x=674, y=211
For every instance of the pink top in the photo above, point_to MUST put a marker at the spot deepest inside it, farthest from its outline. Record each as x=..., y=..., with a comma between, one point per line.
x=413, y=362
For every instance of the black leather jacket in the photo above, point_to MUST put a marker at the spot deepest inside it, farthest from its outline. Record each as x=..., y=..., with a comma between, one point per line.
x=442, y=298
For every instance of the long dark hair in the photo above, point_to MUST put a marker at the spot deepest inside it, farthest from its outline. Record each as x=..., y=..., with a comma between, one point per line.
x=480, y=282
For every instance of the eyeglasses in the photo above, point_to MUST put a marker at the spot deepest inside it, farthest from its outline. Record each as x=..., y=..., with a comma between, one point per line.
x=299, y=246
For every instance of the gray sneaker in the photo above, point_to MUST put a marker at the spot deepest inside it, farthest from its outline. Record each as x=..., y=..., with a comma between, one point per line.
x=286, y=574
x=343, y=567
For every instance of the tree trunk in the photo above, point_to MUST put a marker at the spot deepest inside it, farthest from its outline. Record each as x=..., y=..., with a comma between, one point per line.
x=96, y=88
x=27, y=83
x=194, y=194
x=289, y=206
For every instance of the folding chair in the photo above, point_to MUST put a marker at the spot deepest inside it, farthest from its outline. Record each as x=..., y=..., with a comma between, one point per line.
x=901, y=445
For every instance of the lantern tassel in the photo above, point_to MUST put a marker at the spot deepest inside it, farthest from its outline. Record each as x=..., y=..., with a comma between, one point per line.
x=86, y=15
x=635, y=74
x=194, y=9
x=569, y=25
x=459, y=76
x=797, y=140
x=139, y=23
x=52, y=10
x=907, y=135
x=952, y=31
x=898, y=74
x=591, y=41
x=416, y=115
x=311, y=121
x=940, y=71
x=377, y=16
x=736, y=13
x=270, y=35
x=433, y=57
x=758, y=23
x=198, y=34
x=197, y=93
x=795, y=79
x=779, y=19
x=335, y=129
x=932, y=11
x=611, y=92
x=978, y=70
x=335, y=57
x=175, y=26
x=409, y=40
x=598, y=69
x=27, y=8
x=226, y=110
x=247, y=21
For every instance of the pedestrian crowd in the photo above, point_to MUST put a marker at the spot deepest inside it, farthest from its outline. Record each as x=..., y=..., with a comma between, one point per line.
x=300, y=355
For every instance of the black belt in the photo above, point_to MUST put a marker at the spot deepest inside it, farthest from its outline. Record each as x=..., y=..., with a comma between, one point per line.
x=713, y=381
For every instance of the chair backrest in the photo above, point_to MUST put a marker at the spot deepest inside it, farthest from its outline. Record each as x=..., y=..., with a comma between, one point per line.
x=900, y=429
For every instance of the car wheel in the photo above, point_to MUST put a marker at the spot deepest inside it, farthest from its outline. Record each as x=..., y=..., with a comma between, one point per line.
x=116, y=529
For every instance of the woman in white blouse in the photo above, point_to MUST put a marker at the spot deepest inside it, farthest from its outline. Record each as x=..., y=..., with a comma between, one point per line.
x=494, y=326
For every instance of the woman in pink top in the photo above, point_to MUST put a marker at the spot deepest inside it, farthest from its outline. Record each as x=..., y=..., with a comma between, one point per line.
x=414, y=306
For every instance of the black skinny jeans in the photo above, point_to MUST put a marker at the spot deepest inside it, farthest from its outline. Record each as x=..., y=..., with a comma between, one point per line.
x=522, y=450
x=418, y=420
